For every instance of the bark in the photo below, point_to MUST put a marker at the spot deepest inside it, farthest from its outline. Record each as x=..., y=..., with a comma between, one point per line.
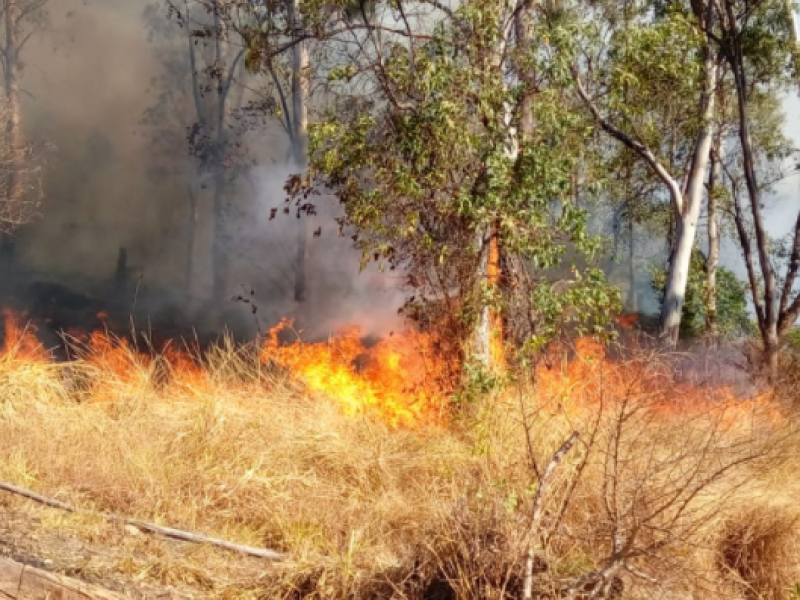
x=220, y=246
x=12, y=212
x=712, y=261
x=483, y=331
x=488, y=332
x=793, y=35
x=747, y=254
x=523, y=30
x=21, y=582
x=768, y=319
x=14, y=124
x=788, y=313
x=191, y=235
x=633, y=298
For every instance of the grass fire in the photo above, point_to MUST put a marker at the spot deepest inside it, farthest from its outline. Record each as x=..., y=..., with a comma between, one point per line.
x=354, y=463
x=408, y=300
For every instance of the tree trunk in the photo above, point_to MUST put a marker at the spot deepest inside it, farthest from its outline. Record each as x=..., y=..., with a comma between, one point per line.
x=220, y=246
x=793, y=35
x=300, y=92
x=13, y=203
x=712, y=261
x=633, y=297
x=488, y=333
x=678, y=277
x=769, y=315
x=191, y=234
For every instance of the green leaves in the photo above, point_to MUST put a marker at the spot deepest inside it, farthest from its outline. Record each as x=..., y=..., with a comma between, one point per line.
x=424, y=165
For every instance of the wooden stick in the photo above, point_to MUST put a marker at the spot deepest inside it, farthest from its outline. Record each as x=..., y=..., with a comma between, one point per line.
x=21, y=582
x=196, y=538
x=7, y=487
x=169, y=532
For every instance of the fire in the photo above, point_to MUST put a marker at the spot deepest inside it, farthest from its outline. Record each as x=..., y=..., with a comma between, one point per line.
x=396, y=379
x=20, y=342
x=589, y=379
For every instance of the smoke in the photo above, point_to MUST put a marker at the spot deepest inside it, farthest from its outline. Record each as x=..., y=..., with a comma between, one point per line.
x=99, y=89
x=118, y=182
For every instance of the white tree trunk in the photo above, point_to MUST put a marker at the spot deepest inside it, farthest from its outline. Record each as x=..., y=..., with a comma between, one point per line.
x=678, y=277
x=794, y=32
x=487, y=238
x=483, y=331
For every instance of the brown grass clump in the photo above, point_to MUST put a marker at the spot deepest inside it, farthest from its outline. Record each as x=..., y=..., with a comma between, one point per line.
x=757, y=549
x=238, y=450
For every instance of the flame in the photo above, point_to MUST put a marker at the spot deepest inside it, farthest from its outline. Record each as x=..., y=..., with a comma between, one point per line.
x=590, y=379
x=20, y=342
x=396, y=380
x=399, y=379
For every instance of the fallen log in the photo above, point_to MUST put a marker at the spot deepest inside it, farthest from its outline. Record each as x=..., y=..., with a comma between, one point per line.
x=170, y=532
x=21, y=582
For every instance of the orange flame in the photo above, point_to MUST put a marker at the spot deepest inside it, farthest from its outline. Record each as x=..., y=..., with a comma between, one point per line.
x=590, y=379
x=399, y=379
x=396, y=378
x=20, y=342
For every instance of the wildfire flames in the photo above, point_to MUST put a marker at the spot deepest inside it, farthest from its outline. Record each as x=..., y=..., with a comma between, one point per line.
x=398, y=379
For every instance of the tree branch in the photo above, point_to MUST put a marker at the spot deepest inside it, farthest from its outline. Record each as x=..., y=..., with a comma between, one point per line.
x=635, y=145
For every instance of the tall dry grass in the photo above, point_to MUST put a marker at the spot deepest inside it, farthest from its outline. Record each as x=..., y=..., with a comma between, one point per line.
x=650, y=501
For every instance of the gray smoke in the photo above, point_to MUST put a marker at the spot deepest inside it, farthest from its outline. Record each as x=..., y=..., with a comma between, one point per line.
x=89, y=81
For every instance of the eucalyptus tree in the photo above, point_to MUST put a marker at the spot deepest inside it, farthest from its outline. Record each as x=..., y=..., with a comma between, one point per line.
x=274, y=39
x=452, y=148
x=20, y=20
x=213, y=58
x=758, y=41
x=632, y=72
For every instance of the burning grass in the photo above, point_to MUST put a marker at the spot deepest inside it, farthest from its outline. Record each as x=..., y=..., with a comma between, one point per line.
x=348, y=460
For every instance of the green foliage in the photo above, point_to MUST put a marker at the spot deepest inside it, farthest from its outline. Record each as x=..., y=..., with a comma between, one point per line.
x=732, y=317
x=423, y=171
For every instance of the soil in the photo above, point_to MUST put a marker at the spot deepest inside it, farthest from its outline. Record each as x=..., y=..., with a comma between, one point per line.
x=123, y=559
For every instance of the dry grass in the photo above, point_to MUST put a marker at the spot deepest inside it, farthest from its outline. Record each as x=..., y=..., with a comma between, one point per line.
x=239, y=451
x=758, y=549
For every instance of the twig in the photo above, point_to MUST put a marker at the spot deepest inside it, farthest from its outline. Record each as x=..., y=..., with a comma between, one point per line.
x=169, y=532
x=536, y=514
